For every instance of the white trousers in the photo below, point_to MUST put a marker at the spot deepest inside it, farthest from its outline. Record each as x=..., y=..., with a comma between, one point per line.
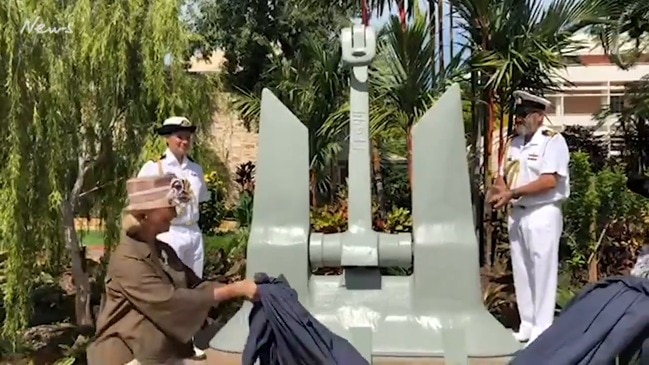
x=534, y=234
x=187, y=241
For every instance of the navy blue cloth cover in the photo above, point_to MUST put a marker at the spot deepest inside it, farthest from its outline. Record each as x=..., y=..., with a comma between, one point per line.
x=283, y=332
x=599, y=324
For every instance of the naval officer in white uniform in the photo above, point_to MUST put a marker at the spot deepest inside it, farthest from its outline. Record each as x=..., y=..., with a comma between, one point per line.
x=184, y=235
x=534, y=178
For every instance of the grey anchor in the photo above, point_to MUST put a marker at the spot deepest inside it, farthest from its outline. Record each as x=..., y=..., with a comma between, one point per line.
x=437, y=312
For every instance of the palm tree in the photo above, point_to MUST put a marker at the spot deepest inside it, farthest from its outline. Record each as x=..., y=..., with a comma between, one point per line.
x=440, y=33
x=633, y=126
x=451, y=29
x=624, y=34
x=403, y=80
x=521, y=44
x=517, y=44
x=313, y=85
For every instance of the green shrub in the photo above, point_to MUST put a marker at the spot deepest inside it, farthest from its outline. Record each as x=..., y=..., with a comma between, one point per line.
x=243, y=210
x=601, y=220
x=225, y=256
x=398, y=220
x=212, y=212
x=396, y=186
x=331, y=218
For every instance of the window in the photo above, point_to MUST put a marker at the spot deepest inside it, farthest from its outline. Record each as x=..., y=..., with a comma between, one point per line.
x=582, y=104
x=617, y=103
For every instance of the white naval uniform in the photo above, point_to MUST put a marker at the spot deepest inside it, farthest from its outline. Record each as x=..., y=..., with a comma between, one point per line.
x=186, y=236
x=535, y=225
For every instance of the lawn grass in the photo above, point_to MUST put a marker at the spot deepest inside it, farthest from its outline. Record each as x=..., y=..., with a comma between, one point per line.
x=225, y=241
x=91, y=238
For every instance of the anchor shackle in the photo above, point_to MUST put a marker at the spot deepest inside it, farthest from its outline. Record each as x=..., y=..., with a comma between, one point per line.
x=358, y=45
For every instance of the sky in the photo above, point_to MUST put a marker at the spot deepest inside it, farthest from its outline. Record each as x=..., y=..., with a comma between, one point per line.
x=379, y=20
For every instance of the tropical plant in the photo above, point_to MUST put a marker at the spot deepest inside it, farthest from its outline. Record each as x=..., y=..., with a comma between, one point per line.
x=212, y=211
x=313, y=85
x=245, y=177
x=396, y=185
x=520, y=45
x=404, y=81
x=625, y=32
x=398, y=220
x=599, y=211
x=330, y=218
x=633, y=125
x=583, y=139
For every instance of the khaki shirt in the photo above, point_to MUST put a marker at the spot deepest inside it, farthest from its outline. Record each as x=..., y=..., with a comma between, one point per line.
x=150, y=314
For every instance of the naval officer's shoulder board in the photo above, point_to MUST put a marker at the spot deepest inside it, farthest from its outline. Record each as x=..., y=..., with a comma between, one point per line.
x=164, y=155
x=549, y=133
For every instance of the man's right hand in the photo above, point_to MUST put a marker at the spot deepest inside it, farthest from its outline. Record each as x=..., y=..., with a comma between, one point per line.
x=493, y=191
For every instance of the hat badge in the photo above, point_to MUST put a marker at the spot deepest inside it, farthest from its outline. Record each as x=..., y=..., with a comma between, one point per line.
x=184, y=123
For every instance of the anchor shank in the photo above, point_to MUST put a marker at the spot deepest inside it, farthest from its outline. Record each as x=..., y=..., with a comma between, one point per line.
x=360, y=242
x=359, y=180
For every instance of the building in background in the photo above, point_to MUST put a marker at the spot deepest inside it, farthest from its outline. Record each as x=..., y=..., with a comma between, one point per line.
x=597, y=83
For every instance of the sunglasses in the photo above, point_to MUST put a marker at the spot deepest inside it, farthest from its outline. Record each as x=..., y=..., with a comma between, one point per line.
x=524, y=112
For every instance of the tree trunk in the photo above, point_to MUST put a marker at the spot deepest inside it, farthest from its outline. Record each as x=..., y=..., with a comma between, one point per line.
x=313, y=182
x=409, y=147
x=83, y=313
x=432, y=27
x=488, y=143
x=378, y=178
x=79, y=275
x=440, y=31
x=450, y=29
x=476, y=134
x=501, y=136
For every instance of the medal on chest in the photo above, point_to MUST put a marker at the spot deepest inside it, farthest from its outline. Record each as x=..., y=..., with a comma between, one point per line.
x=182, y=194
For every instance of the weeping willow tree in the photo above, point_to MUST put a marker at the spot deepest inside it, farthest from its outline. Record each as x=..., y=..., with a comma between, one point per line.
x=84, y=84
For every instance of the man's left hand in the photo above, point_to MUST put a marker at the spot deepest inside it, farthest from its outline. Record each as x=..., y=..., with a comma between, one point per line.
x=501, y=199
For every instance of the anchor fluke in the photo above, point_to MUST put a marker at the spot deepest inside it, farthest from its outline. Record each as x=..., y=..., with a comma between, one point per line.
x=445, y=239
x=279, y=233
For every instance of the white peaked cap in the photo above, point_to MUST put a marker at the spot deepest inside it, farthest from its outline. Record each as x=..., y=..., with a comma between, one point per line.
x=180, y=121
x=521, y=97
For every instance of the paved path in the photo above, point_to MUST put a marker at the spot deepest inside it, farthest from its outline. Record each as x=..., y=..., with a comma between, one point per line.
x=95, y=253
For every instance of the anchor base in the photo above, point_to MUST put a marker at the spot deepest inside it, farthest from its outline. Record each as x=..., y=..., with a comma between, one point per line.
x=385, y=323
x=215, y=357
